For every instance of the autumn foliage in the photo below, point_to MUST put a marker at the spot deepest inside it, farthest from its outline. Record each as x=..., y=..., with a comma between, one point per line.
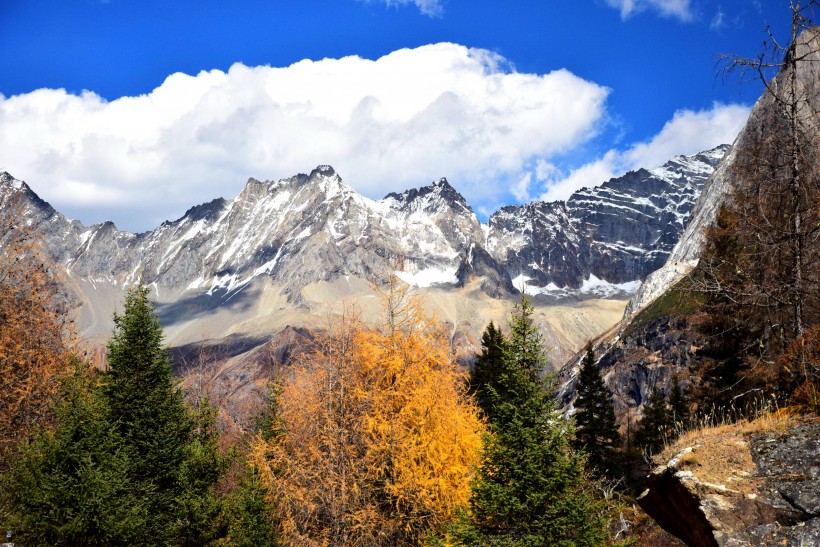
x=374, y=440
x=32, y=344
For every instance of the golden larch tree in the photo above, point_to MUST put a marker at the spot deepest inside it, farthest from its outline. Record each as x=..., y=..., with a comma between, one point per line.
x=376, y=441
x=32, y=334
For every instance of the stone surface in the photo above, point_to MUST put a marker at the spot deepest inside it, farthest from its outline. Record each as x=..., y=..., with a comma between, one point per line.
x=619, y=231
x=639, y=360
x=776, y=504
x=634, y=361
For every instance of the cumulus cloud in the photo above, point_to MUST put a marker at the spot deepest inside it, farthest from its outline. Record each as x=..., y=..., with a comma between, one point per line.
x=590, y=174
x=687, y=133
x=432, y=8
x=388, y=124
x=521, y=189
x=680, y=9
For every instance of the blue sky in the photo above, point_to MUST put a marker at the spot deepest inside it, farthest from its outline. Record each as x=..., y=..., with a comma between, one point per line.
x=135, y=110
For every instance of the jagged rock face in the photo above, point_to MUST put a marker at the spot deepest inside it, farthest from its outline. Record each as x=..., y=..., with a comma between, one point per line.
x=625, y=360
x=639, y=361
x=767, y=491
x=297, y=231
x=311, y=228
x=618, y=232
x=61, y=233
x=624, y=215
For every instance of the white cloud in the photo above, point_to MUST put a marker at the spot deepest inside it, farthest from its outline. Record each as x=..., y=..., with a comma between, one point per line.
x=719, y=20
x=432, y=8
x=521, y=189
x=589, y=175
x=687, y=133
x=400, y=121
x=680, y=9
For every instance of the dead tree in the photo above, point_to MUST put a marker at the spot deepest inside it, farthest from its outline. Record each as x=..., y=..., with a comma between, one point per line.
x=776, y=195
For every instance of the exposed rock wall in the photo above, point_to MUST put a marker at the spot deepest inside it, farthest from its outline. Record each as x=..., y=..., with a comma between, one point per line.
x=657, y=346
x=762, y=488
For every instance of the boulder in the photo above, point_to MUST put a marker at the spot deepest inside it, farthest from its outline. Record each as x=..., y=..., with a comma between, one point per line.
x=741, y=485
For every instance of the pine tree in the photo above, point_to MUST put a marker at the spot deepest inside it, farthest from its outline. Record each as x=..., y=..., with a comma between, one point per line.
x=530, y=486
x=175, y=462
x=596, y=428
x=127, y=463
x=250, y=519
x=487, y=368
x=678, y=406
x=200, y=519
x=71, y=485
x=653, y=429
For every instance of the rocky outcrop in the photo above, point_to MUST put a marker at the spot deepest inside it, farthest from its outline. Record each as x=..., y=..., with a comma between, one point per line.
x=619, y=231
x=659, y=344
x=644, y=354
x=755, y=488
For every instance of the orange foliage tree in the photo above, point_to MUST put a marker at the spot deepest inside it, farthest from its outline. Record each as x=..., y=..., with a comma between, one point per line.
x=374, y=439
x=32, y=343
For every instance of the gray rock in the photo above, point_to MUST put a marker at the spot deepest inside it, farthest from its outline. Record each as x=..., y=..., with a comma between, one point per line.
x=782, y=511
x=620, y=231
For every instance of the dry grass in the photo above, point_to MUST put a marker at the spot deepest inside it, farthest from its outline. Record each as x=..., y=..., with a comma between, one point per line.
x=720, y=454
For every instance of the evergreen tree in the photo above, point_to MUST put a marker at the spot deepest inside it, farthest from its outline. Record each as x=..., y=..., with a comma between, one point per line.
x=678, y=405
x=70, y=486
x=250, y=519
x=487, y=368
x=653, y=429
x=596, y=428
x=200, y=519
x=529, y=488
x=175, y=462
x=127, y=463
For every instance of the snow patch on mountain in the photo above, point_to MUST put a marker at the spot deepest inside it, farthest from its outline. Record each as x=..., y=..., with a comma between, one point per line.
x=592, y=286
x=429, y=276
x=313, y=227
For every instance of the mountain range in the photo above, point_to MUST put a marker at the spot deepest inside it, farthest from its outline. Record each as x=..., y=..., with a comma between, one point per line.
x=313, y=228
x=247, y=279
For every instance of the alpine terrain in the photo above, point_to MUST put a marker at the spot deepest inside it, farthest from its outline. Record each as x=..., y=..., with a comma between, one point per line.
x=289, y=254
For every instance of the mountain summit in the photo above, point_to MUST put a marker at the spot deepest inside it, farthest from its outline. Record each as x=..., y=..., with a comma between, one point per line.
x=309, y=229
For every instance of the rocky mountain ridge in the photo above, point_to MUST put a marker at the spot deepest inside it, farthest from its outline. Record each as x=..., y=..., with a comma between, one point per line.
x=313, y=227
x=665, y=332
x=765, y=115
x=290, y=253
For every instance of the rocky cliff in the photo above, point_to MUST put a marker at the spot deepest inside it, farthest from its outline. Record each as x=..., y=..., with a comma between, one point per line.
x=294, y=238
x=656, y=338
x=766, y=114
x=746, y=484
x=660, y=343
x=602, y=240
